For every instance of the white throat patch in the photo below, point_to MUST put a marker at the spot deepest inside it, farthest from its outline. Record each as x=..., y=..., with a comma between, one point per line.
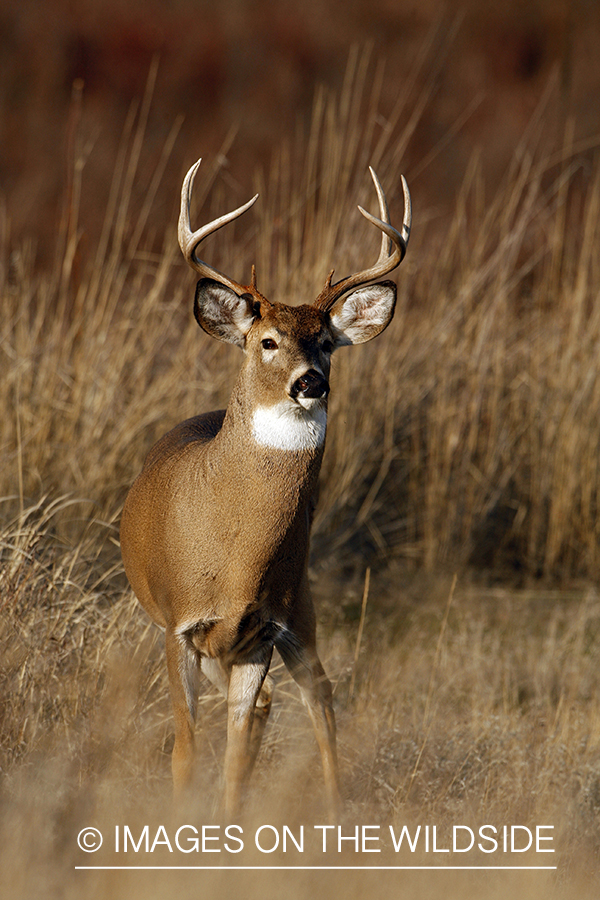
x=290, y=426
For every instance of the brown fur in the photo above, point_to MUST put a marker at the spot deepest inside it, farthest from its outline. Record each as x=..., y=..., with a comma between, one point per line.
x=215, y=531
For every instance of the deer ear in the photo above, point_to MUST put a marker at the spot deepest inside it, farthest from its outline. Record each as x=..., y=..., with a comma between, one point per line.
x=363, y=314
x=224, y=314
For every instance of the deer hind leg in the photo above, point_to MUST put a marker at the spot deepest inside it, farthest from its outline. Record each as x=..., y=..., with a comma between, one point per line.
x=183, y=666
x=261, y=715
x=304, y=665
x=248, y=705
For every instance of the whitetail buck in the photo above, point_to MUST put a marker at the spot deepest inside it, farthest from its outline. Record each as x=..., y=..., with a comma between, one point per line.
x=215, y=531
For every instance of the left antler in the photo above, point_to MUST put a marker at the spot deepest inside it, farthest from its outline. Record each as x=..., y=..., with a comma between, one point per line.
x=388, y=258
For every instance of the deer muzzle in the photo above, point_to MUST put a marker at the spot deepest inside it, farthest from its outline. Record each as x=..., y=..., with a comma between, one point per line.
x=312, y=385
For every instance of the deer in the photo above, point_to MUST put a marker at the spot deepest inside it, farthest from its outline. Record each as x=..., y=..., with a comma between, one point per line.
x=215, y=530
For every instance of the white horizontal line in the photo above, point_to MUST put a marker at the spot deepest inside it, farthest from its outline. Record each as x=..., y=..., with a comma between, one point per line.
x=318, y=868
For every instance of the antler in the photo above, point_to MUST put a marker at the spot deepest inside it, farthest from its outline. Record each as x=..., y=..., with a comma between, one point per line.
x=189, y=240
x=388, y=258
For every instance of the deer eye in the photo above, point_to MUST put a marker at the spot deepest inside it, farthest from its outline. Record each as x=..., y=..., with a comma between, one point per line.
x=327, y=346
x=269, y=344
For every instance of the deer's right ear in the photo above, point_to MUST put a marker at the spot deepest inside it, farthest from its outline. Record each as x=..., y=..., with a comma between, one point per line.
x=224, y=314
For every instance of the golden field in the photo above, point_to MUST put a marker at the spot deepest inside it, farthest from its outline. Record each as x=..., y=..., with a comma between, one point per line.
x=461, y=474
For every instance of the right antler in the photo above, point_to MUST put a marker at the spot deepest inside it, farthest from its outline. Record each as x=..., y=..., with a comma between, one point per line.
x=388, y=258
x=189, y=240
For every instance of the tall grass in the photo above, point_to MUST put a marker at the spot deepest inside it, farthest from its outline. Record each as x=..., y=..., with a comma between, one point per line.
x=469, y=706
x=465, y=439
x=468, y=434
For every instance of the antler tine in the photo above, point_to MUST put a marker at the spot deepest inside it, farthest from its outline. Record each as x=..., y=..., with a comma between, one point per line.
x=386, y=241
x=189, y=240
x=384, y=215
x=391, y=254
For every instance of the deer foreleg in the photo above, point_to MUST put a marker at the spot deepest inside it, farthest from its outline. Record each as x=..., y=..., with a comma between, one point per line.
x=245, y=725
x=304, y=665
x=219, y=675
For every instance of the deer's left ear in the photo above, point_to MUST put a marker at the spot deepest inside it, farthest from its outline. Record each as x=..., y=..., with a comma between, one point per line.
x=363, y=314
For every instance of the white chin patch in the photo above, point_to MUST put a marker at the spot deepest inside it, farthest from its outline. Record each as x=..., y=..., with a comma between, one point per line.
x=291, y=426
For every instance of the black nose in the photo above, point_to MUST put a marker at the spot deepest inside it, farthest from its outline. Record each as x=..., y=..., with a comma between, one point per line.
x=311, y=384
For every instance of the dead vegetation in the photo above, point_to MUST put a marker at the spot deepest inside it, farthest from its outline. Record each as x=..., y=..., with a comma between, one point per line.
x=466, y=441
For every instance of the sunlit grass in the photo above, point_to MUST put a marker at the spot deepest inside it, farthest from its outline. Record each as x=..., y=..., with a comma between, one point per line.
x=465, y=440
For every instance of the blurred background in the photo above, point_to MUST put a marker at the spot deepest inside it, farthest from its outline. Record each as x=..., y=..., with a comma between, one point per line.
x=460, y=502
x=491, y=111
x=480, y=72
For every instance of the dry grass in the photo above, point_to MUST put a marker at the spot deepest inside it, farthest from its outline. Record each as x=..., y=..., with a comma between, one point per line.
x=466, y=438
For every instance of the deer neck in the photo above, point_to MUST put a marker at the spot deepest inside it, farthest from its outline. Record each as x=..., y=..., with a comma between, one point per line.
x=283, y=437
